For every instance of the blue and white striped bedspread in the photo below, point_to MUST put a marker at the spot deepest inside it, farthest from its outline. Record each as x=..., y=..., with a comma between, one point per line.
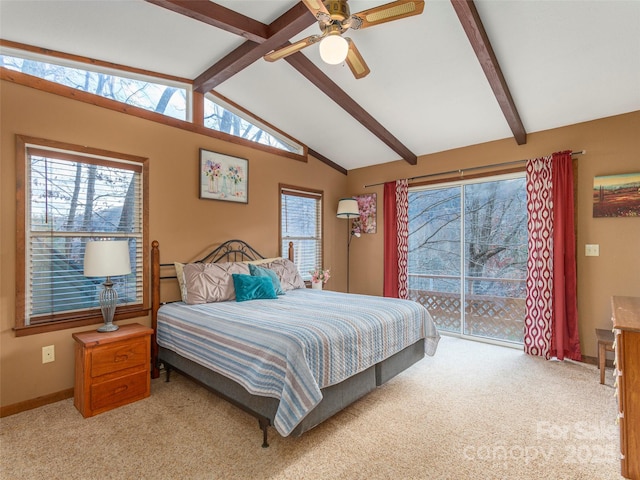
x=292, y=347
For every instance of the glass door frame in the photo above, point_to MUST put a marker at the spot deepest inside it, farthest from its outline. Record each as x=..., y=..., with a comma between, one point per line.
x=463, y=257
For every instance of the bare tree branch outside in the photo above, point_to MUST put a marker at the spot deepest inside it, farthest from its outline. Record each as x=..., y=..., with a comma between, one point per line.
x=468, y=255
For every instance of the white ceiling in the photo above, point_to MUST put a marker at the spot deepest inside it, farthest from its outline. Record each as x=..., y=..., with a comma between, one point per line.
x=564, y=62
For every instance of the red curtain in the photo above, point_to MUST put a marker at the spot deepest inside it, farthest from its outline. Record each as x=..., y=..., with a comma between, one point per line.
x=565, y=341
x=396, y=234
x=551, y=319
x=390, y=241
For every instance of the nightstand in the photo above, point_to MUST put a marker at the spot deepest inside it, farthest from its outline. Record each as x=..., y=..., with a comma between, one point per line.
x=112, y=368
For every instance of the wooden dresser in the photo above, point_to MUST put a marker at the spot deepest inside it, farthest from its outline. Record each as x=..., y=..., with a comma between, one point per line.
x=112, y=368
x=626, y=327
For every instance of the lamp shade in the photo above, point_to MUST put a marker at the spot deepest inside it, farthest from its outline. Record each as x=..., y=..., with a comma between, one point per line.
x=348, y=208
x=106, y=258
x=333, y=49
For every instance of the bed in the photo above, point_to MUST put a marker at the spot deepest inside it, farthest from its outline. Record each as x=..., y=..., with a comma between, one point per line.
x=290, y=356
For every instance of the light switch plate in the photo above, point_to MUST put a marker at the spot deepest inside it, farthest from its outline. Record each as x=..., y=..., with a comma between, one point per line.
x=592, y=250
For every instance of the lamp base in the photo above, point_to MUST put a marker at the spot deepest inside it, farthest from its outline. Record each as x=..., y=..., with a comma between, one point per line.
x=108, y=327
x=108, y=302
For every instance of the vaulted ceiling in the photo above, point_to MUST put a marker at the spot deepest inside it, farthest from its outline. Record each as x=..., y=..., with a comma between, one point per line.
x=458, y=74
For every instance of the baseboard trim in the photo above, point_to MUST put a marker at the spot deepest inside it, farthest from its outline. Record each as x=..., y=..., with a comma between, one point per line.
x=35, y=403
x=594, y=361
x=64, y=394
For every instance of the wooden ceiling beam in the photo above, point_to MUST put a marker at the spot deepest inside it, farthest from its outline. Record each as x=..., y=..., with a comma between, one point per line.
x=217, y=16
x=472, y=25
x=289, y=24
x=326, y=161
x=312, y=73
x=261, y=39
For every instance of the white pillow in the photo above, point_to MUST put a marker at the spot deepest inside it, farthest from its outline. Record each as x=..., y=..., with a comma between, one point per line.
x=180, y=276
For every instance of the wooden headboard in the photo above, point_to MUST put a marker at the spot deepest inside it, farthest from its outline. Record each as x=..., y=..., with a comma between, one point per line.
x=229, y=251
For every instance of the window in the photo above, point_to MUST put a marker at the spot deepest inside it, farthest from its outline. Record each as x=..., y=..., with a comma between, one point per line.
x=166, y=98
x=468, y=256
x=66, y=196
x=301, y=223
x=223, y=117
x=171, y=97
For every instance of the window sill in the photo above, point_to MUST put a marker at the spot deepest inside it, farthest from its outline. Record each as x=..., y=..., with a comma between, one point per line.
x=94, y=319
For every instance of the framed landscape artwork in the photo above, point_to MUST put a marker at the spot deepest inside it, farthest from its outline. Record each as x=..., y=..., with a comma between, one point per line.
x=616, y=195
x=223, y=177
x=366, y=222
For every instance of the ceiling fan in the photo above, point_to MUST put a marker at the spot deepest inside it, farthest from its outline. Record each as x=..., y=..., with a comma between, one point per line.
x=334, y=19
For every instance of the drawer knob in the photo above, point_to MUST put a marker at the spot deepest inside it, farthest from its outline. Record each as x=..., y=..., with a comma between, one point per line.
x=121, y=358
x=121, y=389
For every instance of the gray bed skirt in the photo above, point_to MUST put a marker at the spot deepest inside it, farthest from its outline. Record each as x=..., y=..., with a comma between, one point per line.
x=335, y=397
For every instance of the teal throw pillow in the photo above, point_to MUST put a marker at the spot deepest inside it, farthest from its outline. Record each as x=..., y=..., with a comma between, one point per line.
x=265, y=272
x=252, y=288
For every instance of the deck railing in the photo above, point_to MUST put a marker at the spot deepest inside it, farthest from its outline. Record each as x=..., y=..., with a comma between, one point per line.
x=492, y=315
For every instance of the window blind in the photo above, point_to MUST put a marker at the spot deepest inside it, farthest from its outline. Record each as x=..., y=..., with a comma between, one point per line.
x=301, y=223
x=71, y=199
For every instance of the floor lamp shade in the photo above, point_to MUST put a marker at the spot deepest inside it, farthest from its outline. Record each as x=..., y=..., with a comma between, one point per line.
x=106, y=259
x=348, y=208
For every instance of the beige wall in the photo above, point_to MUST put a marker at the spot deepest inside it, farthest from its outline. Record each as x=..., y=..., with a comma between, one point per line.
x=612, y=145
x=184, y=225
x=179, y=220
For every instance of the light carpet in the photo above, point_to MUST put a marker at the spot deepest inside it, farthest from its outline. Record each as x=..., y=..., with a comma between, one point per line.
x=474, y=411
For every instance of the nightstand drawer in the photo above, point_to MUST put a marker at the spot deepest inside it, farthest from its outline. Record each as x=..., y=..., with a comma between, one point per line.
x=119, y=391
x=112, y=368
x=118, y=357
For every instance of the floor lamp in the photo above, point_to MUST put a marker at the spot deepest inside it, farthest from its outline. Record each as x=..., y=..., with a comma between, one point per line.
x=347, y=209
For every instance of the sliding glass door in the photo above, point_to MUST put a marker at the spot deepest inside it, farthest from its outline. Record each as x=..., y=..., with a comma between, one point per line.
x=468, y=256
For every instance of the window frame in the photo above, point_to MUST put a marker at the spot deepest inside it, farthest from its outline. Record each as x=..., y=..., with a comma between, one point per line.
x=194, y=100
x=111, y=70
x=462, y=277
x=295, y=147
x=307, y=193
x=79, y=318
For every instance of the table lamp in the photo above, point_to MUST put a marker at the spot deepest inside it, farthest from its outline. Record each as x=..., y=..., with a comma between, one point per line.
x=107, y=258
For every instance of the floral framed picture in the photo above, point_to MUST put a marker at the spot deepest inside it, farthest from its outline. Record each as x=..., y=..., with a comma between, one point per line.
x=223, y=177
x=366, y=222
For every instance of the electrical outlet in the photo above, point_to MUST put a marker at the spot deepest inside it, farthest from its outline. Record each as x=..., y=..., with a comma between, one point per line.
x=48, y=354
x=592, y=250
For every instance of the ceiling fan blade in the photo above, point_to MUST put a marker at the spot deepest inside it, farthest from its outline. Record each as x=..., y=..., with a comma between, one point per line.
x=316, y=7
x=356, y=63
x=292, y=48
x=386, y=13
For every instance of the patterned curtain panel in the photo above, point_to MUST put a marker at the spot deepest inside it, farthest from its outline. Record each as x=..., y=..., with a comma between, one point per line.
x=396, y=238
x=551, y=312
x=537, y=320
x=402, y=221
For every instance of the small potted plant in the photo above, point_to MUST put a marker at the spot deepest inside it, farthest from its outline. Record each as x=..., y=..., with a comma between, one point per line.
x=319, y=277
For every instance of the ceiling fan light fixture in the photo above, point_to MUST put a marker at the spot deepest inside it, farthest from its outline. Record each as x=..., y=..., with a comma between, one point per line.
x=333, y=49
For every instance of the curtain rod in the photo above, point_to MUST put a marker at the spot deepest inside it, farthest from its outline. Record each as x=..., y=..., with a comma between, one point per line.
x=462, y=171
